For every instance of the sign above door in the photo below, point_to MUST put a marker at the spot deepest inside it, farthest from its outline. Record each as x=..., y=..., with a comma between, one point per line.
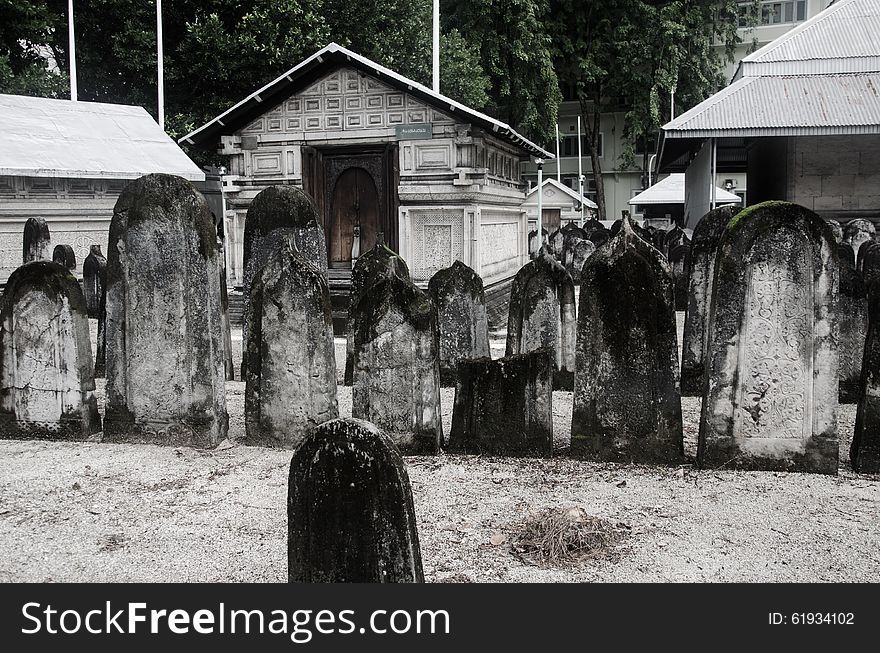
x=414, y=132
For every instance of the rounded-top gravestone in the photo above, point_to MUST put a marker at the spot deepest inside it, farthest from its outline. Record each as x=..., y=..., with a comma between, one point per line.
x=36, y=243
x=64, y=255
x=164, y=340
x=857, y=232
x=94, y=276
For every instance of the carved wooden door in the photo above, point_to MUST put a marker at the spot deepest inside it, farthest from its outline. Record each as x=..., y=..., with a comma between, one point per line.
x=354, y=217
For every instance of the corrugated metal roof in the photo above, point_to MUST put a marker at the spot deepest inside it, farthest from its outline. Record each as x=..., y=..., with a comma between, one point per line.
x=671, y=191
x=785, y=106
x=845, y=37
x=43, y=137
x=285, y=84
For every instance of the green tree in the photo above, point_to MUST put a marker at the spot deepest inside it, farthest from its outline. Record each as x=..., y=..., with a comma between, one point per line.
x=630, y=54
x=515, y=53
x=27, y=62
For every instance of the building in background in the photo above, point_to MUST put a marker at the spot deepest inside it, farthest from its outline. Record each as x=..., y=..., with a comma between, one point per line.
x=67, y=162
x=379, y=153
x=662, y=205
x=560, y=205
x=803, y=112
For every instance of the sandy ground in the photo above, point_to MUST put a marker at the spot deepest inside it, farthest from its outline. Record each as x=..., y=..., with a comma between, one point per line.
x=102, y=512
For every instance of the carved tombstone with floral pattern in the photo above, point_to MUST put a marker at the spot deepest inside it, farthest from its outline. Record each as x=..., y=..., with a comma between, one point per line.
x=770, y=398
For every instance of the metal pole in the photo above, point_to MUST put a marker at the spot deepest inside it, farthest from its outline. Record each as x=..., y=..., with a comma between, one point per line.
x=436, y=42
x=161, y=64
x=672, y=103
x=540, y=163
x=714, y=170
x=580, y=173
x=558, y=162
x=71, y=38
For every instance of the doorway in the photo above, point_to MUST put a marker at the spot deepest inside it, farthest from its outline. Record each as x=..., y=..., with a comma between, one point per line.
x=354, y=217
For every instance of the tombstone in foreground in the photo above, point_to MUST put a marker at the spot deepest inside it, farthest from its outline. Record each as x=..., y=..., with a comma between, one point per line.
x=94, y=276
x=627, y=406
x=165, y=377
x=852, y=309
x=46, y=383
x=64, y=255
x=505, y=406
x=680, y=264
x=350, y=515
x=864, y=453
x=460, y=305
x=36, y=242
x=579, y=253
x=377, y=263
x=276, y=216
x=770, y=400
x=396, y=367
x=707, y=236
x=856, y=232
x=290, y=387
x=541, y=315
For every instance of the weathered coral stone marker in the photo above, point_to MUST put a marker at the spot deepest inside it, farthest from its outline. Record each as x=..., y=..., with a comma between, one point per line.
x=350, y=514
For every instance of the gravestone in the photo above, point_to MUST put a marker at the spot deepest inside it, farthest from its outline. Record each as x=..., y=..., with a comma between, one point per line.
x=836, y=229
x=627, y=406
x=505, y=406
x=707, y=236
x=101, y=340
x=46, y=383
x=852, y=309
x=869, y=266
x=377, y=263
x=541, y=315
x=396, y=367
x=350, y=514
x=36, y=243
x=864, y=453
x=460, y=306
x=94, y=276
x=290, y=386
x=555, y=243
x=64, y=255
x=533, y=241
x=672, y=238
x=165, y=378
x=600, y=237
x=858, y=258
x=276, y=216
x=572, y=237
x=591, y=226
x=857, y=232
x=770, y=401
x=228, y=365
x=680, y=264
x=579, y=253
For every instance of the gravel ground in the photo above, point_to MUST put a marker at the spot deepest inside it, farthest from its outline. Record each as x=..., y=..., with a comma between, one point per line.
x=103, y=512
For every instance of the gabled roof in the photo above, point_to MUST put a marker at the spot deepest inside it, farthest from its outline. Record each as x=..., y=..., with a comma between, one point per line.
x=844, y=38
x=671, y=191
x=574, y=195
x=321, y=63
x=43, y=137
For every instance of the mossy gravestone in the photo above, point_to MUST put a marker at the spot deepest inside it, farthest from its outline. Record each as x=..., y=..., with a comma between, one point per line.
x=94, y=276
x=556, y=242
x=396, y=367
x=378, y=263
x=580, y=251
x=290, y=385
x=600, y=237
x=46, y=383
x=857, y=232
x=707, y=236
x=165, y=377
x=534, y=245
x=542, y=315
x=460, y=306
x=505, y=406
x=276, y=216
x=770, y=399
x=36, y=242
x=573, y=235
x=836, y=229
x=64, y=255
x=627, y=406
x=674, y=237
x=864, y=453
x=350, y=516
x=680, y=265
x=852, y=309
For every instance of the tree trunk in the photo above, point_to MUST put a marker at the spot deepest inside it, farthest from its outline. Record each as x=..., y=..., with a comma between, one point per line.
x=592, y=127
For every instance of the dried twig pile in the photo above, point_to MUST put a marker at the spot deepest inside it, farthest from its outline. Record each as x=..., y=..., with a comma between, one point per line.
x=560, y=536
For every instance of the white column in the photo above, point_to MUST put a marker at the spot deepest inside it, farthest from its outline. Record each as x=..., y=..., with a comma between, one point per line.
x=580, y=172
x=160, y=63
x=71, y=46
x=558, y=162
x=540, y=163
x=436, y=46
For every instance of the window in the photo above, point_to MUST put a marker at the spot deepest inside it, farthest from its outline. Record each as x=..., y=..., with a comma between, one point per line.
x=772, y=12
x=568, y=145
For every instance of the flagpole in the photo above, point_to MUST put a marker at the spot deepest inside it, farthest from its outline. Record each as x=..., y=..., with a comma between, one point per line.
x=435, y=55
x=580, y=173
x=161, y=64
x=71, y=50
x=558, y=166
